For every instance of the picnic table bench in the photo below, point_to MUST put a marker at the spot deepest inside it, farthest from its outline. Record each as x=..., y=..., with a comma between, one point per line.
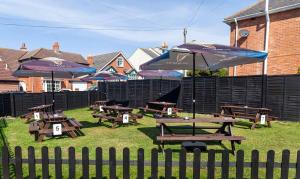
x=255, y=115
x=117, y=115
x=46, y=127
x=160, y=109
x=223, y=132
x=41, y=109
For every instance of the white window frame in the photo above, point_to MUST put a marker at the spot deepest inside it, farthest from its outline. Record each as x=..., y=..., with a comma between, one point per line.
x=120, y=59
x=47, y=85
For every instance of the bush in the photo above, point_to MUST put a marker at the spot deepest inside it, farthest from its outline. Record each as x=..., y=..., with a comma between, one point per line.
x=220, y=73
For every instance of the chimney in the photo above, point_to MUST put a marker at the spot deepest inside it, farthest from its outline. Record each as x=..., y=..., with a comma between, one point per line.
x=90, y=60
x=55, y=47
x=23, y=47
x=164, y=47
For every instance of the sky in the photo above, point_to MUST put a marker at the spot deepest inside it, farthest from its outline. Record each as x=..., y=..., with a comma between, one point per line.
x=92, y=27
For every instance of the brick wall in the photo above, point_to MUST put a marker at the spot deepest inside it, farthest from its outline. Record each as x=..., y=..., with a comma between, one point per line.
x=284, y=43
x=120, y=70
x=9, y=86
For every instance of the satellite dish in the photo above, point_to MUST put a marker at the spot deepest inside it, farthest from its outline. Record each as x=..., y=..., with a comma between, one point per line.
x=244, y=33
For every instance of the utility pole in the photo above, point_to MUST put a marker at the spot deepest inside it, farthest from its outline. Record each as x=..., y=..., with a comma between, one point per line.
x=184, y=35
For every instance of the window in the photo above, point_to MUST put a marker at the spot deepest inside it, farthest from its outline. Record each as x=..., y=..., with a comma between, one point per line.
x=132, y=75
x=47, y=85
x=120, y=62
x=111, y=69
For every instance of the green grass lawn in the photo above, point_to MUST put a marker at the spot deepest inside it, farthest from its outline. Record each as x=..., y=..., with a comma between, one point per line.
x=282, y=135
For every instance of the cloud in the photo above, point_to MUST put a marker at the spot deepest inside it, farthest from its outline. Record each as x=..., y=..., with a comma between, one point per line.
x=94, y=15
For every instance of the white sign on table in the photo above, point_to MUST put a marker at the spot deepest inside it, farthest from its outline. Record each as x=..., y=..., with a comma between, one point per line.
x=263, y=119
x=36, y=116
x=169, y=111
x=125, y=118
x=101, y=108
x=57, y=130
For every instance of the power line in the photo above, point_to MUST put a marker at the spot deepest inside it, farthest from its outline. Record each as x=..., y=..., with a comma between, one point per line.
x=196, y=14
x=89, y=28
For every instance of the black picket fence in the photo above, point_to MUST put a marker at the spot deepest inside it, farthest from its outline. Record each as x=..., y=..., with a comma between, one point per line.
x=279, y=93
x=16, y=104
x=13, y=167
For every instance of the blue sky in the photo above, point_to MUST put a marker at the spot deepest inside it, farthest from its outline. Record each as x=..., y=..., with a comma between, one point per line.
x=100, y=26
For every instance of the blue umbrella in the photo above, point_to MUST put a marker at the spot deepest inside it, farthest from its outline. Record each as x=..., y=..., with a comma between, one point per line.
x=203, y=56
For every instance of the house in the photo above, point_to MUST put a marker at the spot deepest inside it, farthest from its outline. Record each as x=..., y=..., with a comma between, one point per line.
x=248, y=30
x=13, y=58
x=7, y=81
x=114, y=62
x=143, y=55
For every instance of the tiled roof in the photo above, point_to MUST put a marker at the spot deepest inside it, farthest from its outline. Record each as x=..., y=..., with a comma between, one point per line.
x=258, y=8
x=101, y=60
x=150, y=52
x=10, y=57
x=43, y=53
x=5, y=73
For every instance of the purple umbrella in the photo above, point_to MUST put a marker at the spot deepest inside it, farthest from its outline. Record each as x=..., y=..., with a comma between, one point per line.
x=50, y=66
x=105, y=76
x=160, y=74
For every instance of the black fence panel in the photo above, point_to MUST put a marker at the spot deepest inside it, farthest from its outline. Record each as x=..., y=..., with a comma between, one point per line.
x=291, y=110
x=275, y=95
x=93, y=96
x=5, y=104
x=77, y=99
x=60, y=100
x=23, y=101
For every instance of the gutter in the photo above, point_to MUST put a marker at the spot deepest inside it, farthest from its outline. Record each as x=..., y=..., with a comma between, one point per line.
x=235, y=43
x=258, y=14
x=267, y=30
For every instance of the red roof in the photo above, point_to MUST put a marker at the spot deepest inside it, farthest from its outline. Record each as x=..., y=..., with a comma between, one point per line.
x=5, y=73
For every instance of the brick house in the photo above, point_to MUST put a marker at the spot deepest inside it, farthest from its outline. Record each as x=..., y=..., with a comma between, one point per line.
x=284, y=38
x=12, y=58
x=7, y=81
x=114, y=62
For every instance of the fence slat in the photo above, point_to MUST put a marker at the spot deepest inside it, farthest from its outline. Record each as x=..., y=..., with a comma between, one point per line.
x=168, y=163
x=58, y=162
x=99, y=163
x=285, y=164
x=5, y=162
x=140, y=164
x=196, y=164
x=298, y=165
x=225, y=164
x=18, y=160
x=45, y=163
x=112, y=163
x=126, y=163
x=211, y=164
x=72, y=163
x=85, y=163
x=270, y=164
x=240, y=164
x=31, y=162
x=182, y=164
x=154, y=163
x=254, y=164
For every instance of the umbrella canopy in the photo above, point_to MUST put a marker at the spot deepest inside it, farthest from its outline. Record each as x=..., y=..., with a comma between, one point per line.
x=105, y=76
x=207, y=57
x=160, y=74
x=44, y=67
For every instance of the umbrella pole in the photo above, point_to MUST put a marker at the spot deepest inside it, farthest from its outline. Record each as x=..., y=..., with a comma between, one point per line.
x=194, y=90
x=160, y=80
x=53, y=99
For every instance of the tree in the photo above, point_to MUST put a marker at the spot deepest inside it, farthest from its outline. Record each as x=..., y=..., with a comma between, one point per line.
x=220, y=73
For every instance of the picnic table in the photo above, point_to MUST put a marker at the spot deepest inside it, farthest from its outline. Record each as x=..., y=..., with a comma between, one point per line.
x=255, y=115
x=97, y=104
x=37, y=111
x=160, y=109
x=223, y=131
x=55, y=125
x=117, y=115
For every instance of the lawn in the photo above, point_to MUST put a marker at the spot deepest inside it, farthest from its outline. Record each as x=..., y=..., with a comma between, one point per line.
x=282, y=135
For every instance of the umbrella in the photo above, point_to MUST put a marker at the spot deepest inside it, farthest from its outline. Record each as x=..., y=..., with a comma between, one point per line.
x=105, y=76
x=203, y=56
x=153, y=74
x=51, y=66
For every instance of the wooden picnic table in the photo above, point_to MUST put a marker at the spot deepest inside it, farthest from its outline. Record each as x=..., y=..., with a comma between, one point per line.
x=223, y=131
x=160, y=109
x=117, y=115
x=55, y=125
x=97, y=104
x=41, y=109
x=254, y=115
